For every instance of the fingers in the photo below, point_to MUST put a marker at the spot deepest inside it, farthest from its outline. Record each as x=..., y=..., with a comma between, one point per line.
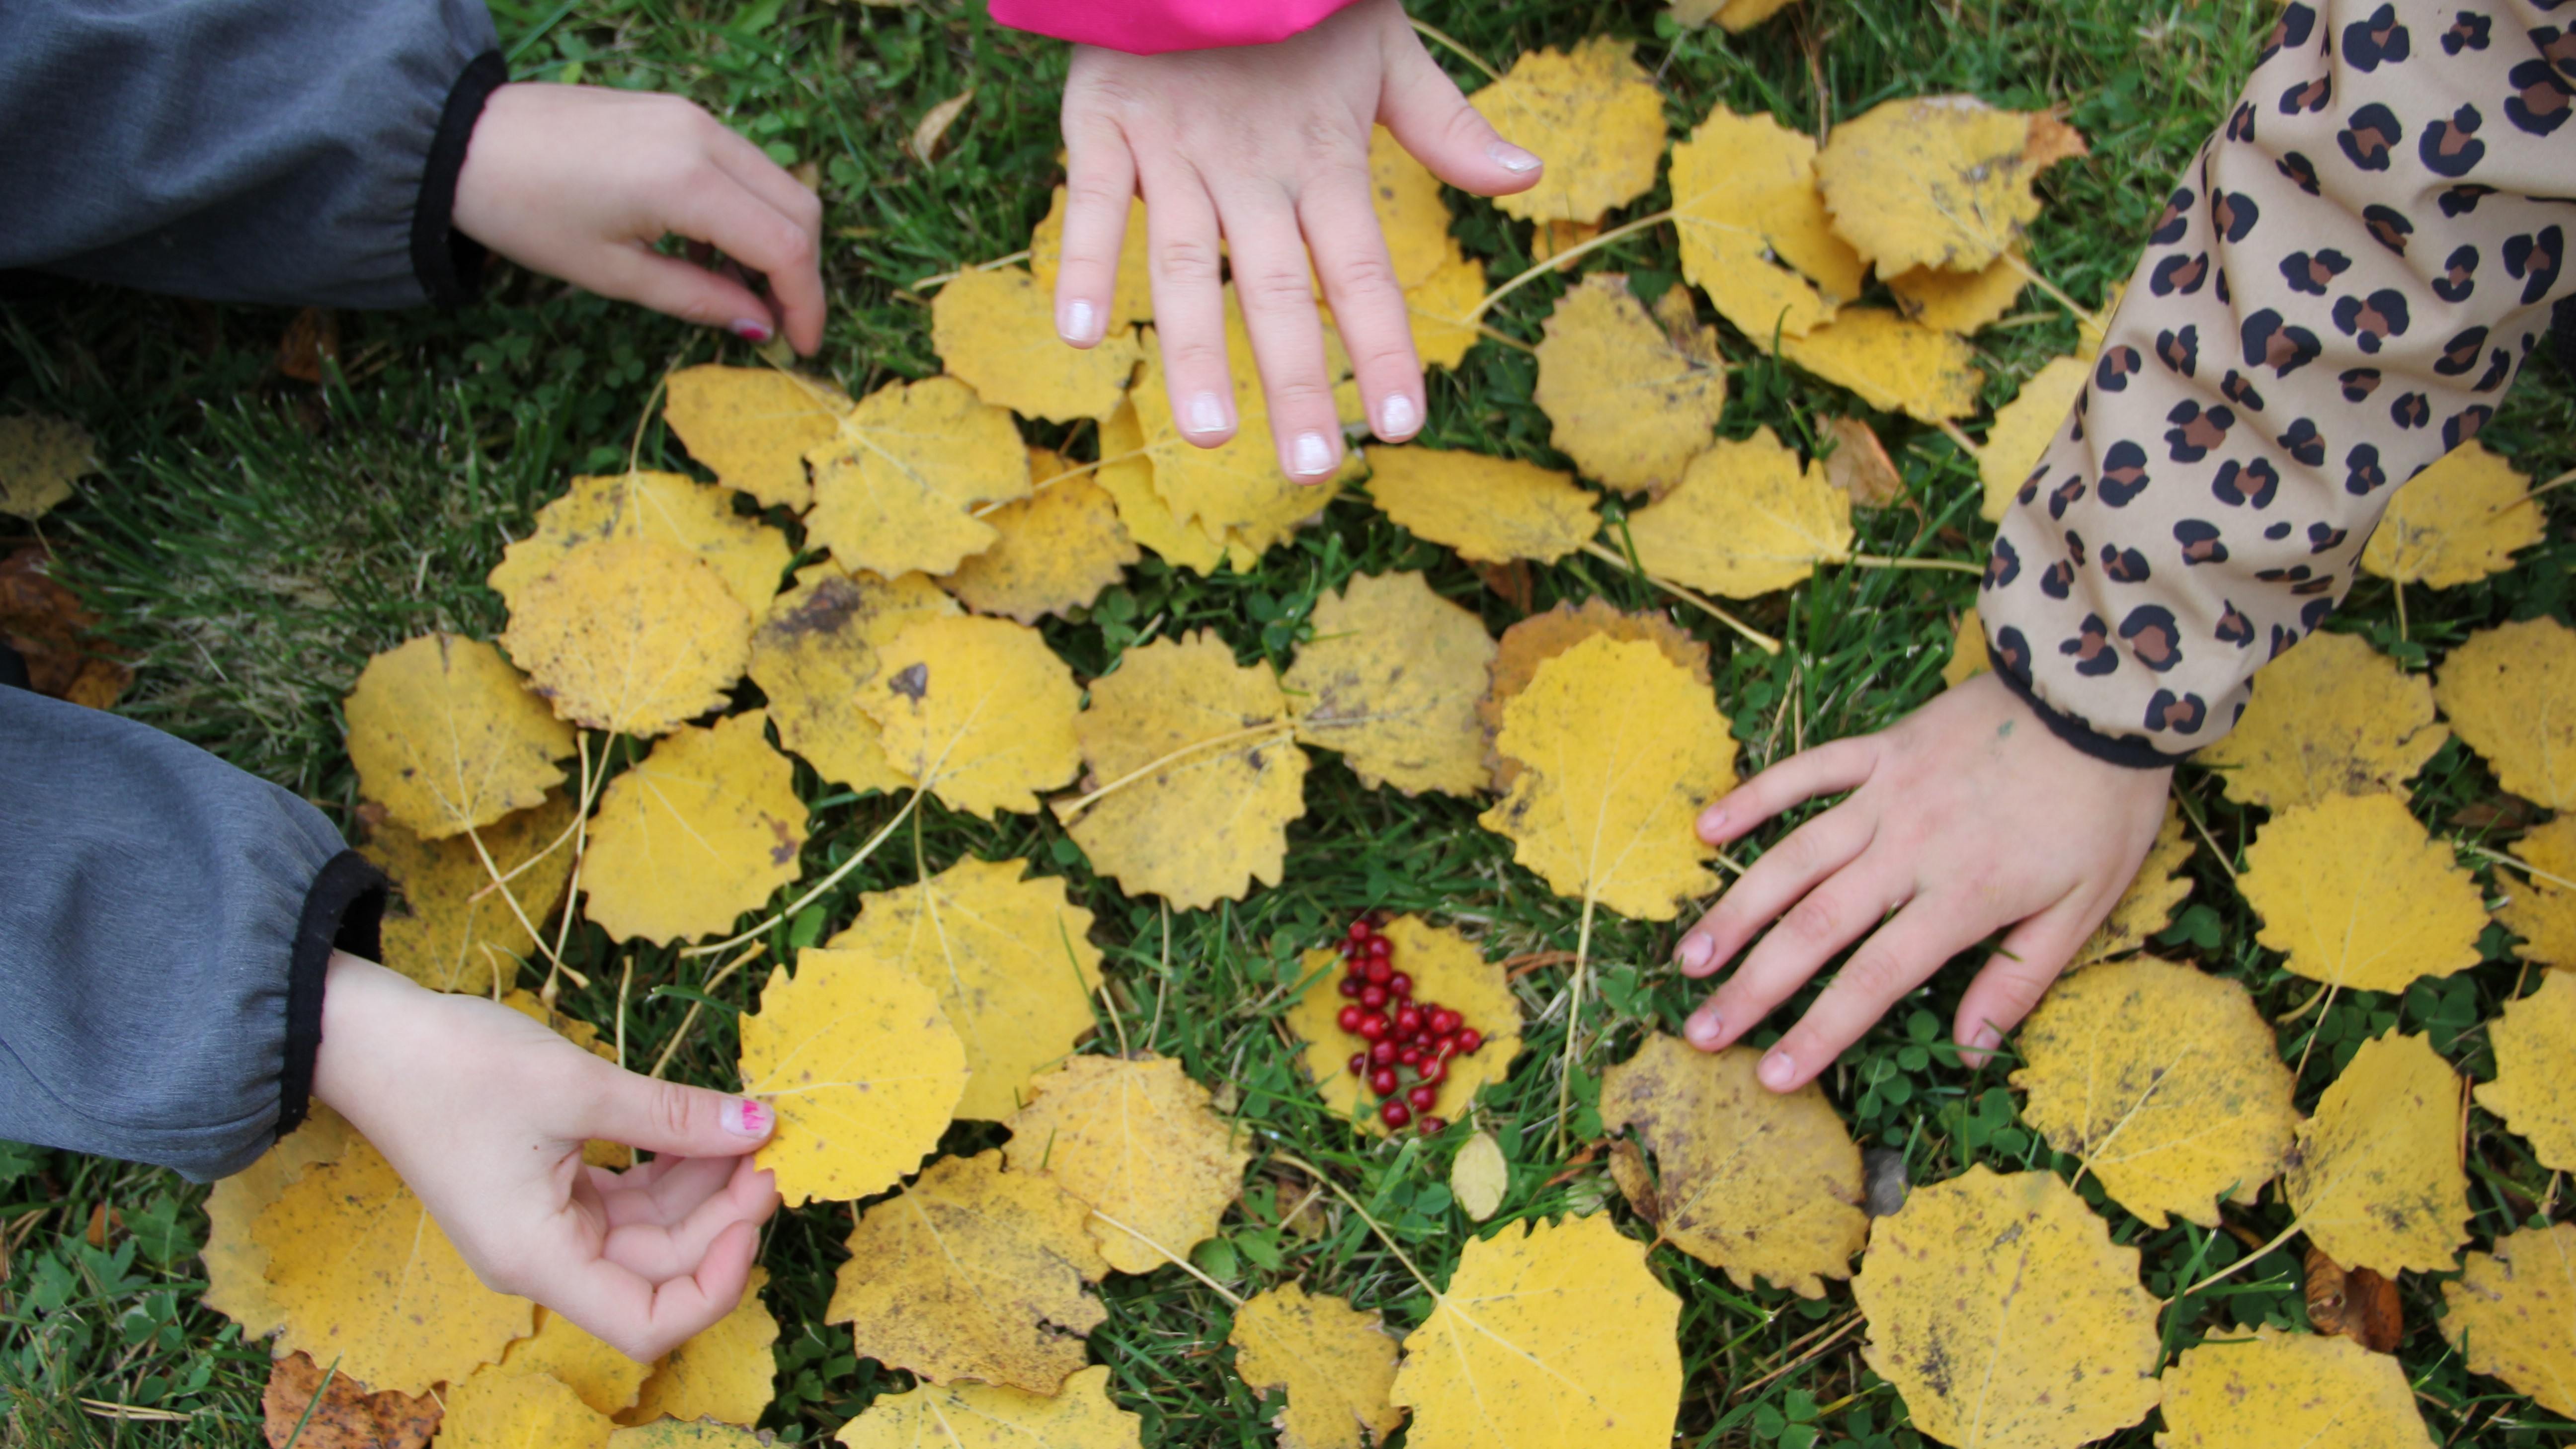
x=1420, y=104
x=718, y=208
x=1785, y=872
x=663, y=1190
x=1099, y=182
x=1898, y=957
x=2020, y=972
x=1830, y=917
x=640, y=1319
x=661, y=1248
x=1828, y=769
x=665, y=1117
x=1185, y=270
x=1269, y=255
x=1368, y=305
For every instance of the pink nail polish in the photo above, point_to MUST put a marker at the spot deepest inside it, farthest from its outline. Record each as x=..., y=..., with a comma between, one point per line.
x=750, y=331
x=1777, y=1071
x=746, y=1118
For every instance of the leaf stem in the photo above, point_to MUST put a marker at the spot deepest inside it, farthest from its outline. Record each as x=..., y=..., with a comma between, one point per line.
x=1561, y=261
x=2084, y=317
x=825, y=884
x=996, y=264
x=1177, y=1261
x=1383, y=1236
x=1961, y=440
x=2517, y=862
x=1279, y=728
x=1753, y=636
x=671, y=1048
x=1886, y=561
x=1463, y=53
x=1574, y=1016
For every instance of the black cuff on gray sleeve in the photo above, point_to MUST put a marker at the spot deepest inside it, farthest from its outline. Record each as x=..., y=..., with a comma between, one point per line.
x=341, y=912
x=2135, y=754
x=448, y=262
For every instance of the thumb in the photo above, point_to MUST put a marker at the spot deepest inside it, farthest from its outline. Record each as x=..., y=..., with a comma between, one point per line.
x=1421, y=106
x=665, y=1117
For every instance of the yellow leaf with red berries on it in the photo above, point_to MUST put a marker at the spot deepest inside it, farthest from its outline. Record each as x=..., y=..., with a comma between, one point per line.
x=1447, y=971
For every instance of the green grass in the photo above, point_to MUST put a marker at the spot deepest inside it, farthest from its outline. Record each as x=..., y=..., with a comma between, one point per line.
x=254, y=540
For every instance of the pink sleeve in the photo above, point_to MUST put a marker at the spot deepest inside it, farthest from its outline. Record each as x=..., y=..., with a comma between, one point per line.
x=1150, y=27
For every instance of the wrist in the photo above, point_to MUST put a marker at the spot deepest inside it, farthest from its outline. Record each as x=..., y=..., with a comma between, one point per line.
x=364, y=1012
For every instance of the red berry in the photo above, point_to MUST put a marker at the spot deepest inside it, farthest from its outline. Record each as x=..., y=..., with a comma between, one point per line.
x=1359, y=1064
x=1380, y=947
x=1385, y=1053
x=1422, y=1097
x=1433, y=1126
x=1444, y=1047
x=1379, y=973
x=1372, y=1027
x=1373, y=997
x=1393, y=1113
x=1432, y=1069
x=1382, y=1081
x=1349, y=1020
x=1410, y=1056
x=1360, y=930
x=1469, y=1039
x=1444, y=1022
x=1408, y=1022
x=1349, y=986
x=1401, y=985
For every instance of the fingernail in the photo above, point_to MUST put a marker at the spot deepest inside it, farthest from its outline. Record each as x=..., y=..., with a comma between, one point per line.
x=1511, y=157
x=1396, y=417
x=1712, y=821
x=1078, y=322
x=1207, y=414
x=750, y=331
x=746, y=1118
x=1986, y=1039
x=1704, y=1028
x=1310, y=455
x=1695, y=951
x=1777, y=1071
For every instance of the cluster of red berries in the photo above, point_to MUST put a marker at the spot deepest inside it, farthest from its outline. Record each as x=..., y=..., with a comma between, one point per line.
x=1403, y=1035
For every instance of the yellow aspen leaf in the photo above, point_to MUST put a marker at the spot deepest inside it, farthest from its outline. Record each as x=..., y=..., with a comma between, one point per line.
x=863, y=1069
x=2333, y=716
x=727, y=1373
x=1754, y=234
x=1491, y=510
x=2165, y=1081
x=2023, y=429
x=973, y=1273
x=2514, y=1314
x=1594, y=114
x=2089, y=331
x=2543, y=912
x=2510, y=694
x=2455, y=523
x=605, y=1379
x=1056, y=552
x=454, y=930
x=981, y=1416
x=2281, y=1388
x=2535, y=1086
x=2147, y=906
x=1554, y=1338
x=1968, y=657
x=361, y=1274
x=704, y=829
x=1933, y=181
x=1859, y=464
x=1236, y=487
x=2358, y=895
x=979, y=711
x=1335, y=1362
x=40, y=458
x=1788, y=1209
x=1741, y=15
x=1746, y=520
x=1891, y=364
x=2376, y=1177
x=1962, y=302
x=1480, y=1176
x=815, y=649
x=1199, y=769
x=1411, y=212
x=895, y=488
x=752, y=426
x=1447, y=968
x=1441, y=308
x=1126, y=474
x=1009, y=959
x=497, y=1409
x=236, y=1265
x=1139, y=1142
x=1132, y=299
x=1627, y=406
x=1541, y=637
x=695, y=1434
x=1618, y=748
x=446, y=736
x=996, y=332
x=2006, y=1317
x=630, y=635
x=695, y=517
x=1391, y=680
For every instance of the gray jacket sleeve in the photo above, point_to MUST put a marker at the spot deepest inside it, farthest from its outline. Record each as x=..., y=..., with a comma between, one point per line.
x=165, y=920
x=243, y=150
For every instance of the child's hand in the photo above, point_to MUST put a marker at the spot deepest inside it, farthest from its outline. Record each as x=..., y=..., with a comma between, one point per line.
x=579, y=182
x=484, y=1111
x=1966, y=817
x=1266, y=145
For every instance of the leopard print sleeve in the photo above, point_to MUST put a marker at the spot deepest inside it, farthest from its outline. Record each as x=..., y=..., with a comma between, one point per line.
x=2340, y=289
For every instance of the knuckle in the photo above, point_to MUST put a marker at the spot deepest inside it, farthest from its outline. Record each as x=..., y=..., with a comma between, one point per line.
x=1813, y=920
x=1367, y=277
x=1196, y=359
x=672, y=1108
x=794, y=249
x=1188, y=262
x=1091, y=192
x=1874, y=974
x=1279, y=289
